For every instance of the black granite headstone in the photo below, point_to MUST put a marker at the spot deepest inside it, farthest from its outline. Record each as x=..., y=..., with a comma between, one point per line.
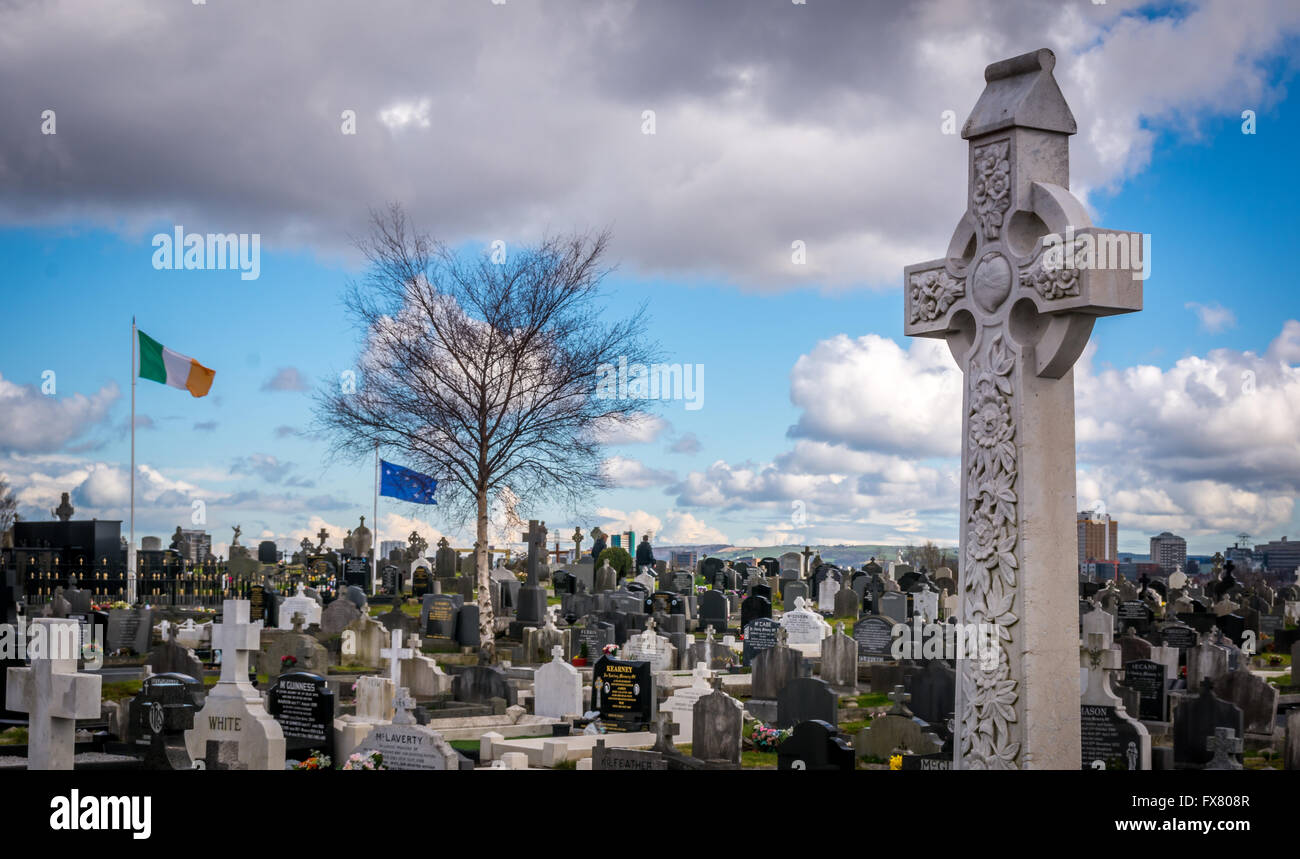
x=815, y=746
x=303, y=704
x=1148, y=678
x=759, y=635
x=623, y=693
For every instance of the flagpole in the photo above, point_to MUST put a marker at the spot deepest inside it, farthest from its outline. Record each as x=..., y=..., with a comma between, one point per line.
x=374, y=566
x=130, y=547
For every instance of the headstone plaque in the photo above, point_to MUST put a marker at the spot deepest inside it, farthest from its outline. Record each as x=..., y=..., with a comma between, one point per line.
x=356, y=572
x=875, y=639
x=440, y=612
x=303, y=704
x=1179, y=635
x=1148, y=677
x=1109, y=738
x=623, y=693
x=129, y=628
x=759, y=635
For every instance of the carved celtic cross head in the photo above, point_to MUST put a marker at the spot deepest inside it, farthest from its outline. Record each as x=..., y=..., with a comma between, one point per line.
x=1025, y=258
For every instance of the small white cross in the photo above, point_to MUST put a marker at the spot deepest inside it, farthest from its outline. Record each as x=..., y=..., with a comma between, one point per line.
x=557, y=653
x=395, y=655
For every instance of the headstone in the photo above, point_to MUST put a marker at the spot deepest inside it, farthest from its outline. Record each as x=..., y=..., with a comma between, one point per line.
x=815, y=746
x=754, y=607
x=933, y=693
x=1111, y=738
x=337, y=616
x=875, y=639
x=717, y=724
x=805, y=699
x=847, y=603
x=130, y=629
x=894, y=605
x=161, y=713
x=480, y=683
x=303, y=705
x=803, y=625
x=840, y=659
x=826, y=592
x=233, y=710
x=408, y=746
x=758, y=636
x=792, y=591
x=1254, y=695
x=681, y=703
x=774, y=668
x=623, y=694
x=1195, y=720
x=302, y=604
x=714, y=610
x=557, y=688
x=1148, y=677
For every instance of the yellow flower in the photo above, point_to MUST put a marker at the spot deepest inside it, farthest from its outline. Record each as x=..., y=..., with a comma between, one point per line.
x=895, y=762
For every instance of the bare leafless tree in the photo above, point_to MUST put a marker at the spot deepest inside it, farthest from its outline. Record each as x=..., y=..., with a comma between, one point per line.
x=482, y=371
x=8, y=507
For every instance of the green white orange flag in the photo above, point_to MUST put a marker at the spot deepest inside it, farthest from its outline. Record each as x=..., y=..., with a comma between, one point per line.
x=160, y=364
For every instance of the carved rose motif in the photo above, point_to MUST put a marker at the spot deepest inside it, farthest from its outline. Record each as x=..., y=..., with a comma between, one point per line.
x=990, y=739
x=1053, y=282
x=931, y=293
x=991, y=195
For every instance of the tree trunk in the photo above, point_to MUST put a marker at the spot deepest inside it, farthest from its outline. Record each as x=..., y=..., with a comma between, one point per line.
x=486, y=622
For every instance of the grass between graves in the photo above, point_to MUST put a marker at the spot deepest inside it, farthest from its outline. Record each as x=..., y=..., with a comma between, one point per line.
x=412, y=610
x=13, y=737
x=118, y=690
x=873, y=699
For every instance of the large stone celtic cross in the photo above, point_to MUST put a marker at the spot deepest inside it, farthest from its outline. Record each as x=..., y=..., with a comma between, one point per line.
x=1025, y=277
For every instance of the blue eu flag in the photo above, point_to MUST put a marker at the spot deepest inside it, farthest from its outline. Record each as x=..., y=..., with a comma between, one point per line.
x=405, y=484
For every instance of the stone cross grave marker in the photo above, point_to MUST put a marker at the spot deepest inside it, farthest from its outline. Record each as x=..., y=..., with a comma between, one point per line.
x=53, y=693
x=900, y=699
x=1224, y=744
x=1016, y=298
x=395, y=654
x=236, y=638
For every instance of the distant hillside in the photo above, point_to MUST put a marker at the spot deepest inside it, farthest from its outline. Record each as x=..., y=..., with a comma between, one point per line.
x=843, y=555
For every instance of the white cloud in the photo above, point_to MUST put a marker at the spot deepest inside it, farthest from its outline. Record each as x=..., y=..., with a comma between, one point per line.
x=405, y=114
x=31, y=422
x=629, y=473
x=1214, y=316
x=638, y=429
x=615, y=521
x=685, y=529
x=870, y=394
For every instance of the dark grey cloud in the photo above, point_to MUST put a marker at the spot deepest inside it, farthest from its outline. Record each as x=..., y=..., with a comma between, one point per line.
x=775, y=121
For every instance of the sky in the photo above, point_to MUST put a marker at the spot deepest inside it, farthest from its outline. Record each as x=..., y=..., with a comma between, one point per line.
x=773, y=123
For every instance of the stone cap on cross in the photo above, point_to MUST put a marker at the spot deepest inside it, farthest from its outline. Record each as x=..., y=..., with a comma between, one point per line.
x=665, y=730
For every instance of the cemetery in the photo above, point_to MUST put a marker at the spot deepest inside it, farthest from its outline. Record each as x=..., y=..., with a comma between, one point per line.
x=507, y=643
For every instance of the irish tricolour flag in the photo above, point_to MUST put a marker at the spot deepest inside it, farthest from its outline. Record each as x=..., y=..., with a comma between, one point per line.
x=161, y=364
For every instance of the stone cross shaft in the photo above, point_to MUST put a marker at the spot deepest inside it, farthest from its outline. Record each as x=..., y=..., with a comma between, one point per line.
x=395, y=654
x=53, y=693
x=235, y=637
x=535, y=537
x=1025, y=277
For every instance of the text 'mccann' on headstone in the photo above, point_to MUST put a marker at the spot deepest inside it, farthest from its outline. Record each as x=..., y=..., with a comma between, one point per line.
x=623, y=694
x=303, y=704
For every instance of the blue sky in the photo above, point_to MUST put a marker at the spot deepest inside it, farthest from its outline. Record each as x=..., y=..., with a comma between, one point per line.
x=1218, y=204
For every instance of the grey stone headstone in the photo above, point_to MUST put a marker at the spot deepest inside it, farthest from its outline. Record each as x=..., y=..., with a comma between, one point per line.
x=806, y=699
x=716, y=727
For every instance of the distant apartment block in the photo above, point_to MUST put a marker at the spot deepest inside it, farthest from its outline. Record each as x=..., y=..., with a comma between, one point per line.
x=1280, y=556
x=1168, y=551
x=1098, y=537
x=683, y=560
